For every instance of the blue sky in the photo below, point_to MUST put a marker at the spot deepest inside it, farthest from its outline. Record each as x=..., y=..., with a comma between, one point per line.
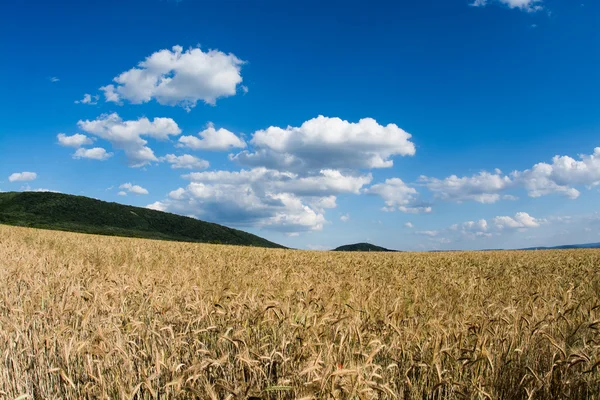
x=413, y=125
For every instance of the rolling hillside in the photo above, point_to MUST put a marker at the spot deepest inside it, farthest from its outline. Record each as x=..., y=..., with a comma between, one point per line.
x=82, y=214
x=361, y=247
x=567, y=246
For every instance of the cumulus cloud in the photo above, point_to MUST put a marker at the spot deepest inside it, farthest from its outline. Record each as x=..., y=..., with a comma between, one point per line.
x=409, y=225
x=212, y=139
x=397, y=195
x=243, y=205
x=178, y=78
x=28, y=188
x=76, y=140
x=482, y=187
x=44, y=190
x=327, y=143
x=157, y=205
x=261, y=197
x=296, y=169
x=473, y=229
x=561, y=176
x=483, y=229
x=185, y=161
x=538, y=182
x=345, y=217
x=320, y=204
x=520, y=220
x=127, y=135
x=96, y=153
x=88, y=99
x=22, y=176
x=326, y=183
x=135, y=189
x=525, y=5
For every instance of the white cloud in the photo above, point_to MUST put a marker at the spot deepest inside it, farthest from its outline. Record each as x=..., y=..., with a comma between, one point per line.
x=244, y=204
x=327, y=182
x=76, y=140
x=178, y=78
x=235, y=177
x=538, y=182
x=520, y=220
x=96, y=153
x=525, y=5
x=398, y=196
x=409, y=225
x=127, y=135
x=22, y=176
x=414, y=210
x=88, y=99
x=110, y=95
x=212, y=139
x=54, y=79
x=122, y=193
x=28, y=188
x=482, y=229
x=345, y=218
x=473, y=229
x=542, y=179
x=560, y=176
x=135, y=189
x=320, y=204
x=264, y=198
x=185, y=161
x=44, y=190
x=157, y=205
x=327, y=143
x=482, y=187
x=477, y=226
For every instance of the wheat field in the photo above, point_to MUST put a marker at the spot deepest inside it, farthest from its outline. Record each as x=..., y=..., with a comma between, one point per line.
x=85, y=316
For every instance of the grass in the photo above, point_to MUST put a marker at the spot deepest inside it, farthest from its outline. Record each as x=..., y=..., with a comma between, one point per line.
x=105, y=317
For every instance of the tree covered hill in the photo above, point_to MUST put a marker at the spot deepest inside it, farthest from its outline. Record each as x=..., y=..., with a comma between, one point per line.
x=361, y=247
x=82, y=214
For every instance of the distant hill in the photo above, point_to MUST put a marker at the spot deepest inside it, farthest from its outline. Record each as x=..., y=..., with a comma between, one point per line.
x=82, y=214
x=567, y=246
x=361, y=247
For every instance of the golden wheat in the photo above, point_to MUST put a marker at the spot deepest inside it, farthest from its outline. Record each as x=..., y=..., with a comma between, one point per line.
x=85, y=316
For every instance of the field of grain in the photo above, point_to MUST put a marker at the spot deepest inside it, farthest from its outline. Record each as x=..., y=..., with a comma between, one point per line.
x=85, y=316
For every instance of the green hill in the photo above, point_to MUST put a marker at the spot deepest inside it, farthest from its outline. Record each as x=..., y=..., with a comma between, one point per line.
x=83, y=214
x=361, y=247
